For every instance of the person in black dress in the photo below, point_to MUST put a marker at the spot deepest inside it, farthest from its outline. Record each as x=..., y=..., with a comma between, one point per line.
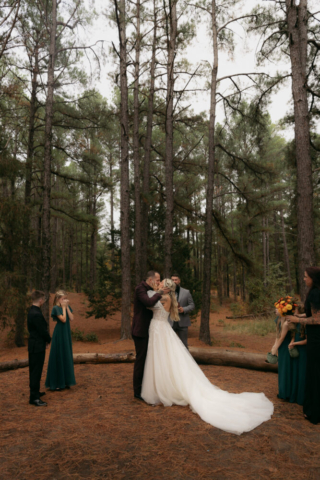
x=311, y=405
x=38, y=339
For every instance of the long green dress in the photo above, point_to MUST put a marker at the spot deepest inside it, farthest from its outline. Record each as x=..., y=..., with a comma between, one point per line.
x=60, y=372
x=292, y=371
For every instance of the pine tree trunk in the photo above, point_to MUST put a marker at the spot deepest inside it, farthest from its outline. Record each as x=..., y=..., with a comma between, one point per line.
x=286, y=255
x=206, y=290
x=124, y=187
x=171, y=47
x=297, y=19
x=54, y=270
x=71, y=260
x=46, y=233
x=264, y=244
x=136, y=153
x=147, y=157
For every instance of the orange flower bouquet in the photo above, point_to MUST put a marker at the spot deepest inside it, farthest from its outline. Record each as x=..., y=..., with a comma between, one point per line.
x=285, y=306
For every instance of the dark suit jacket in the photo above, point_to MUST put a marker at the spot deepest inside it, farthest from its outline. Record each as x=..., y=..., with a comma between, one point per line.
x=38, y=330
x=142, y=316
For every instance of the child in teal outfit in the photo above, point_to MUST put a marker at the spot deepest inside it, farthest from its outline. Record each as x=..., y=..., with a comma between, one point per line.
x=60, y=372
x=291, y=371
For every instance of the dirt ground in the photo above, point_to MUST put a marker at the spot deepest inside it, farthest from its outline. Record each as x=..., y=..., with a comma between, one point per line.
x=96, y=430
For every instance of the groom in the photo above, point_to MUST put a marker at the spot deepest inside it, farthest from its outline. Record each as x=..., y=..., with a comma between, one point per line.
x=140, y=326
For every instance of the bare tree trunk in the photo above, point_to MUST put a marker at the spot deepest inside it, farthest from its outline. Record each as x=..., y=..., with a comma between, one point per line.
x=264, y=244
x=171, y=47
x=54, y=271
x=286, y=255
x=71, y=260
x=147, y=156
x=297, y=18
x=63, y=252
x=112, y=216
x=120, y=10
x=46, y=233
x=136, y=156
x=206, y=290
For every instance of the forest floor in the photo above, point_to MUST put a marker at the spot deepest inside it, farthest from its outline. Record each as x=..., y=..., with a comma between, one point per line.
x=96, y=430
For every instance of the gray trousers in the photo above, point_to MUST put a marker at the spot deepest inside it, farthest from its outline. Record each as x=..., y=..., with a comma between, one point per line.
x=182, y=333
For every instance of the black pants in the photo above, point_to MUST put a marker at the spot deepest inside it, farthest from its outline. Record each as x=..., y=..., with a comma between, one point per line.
x=182, y=333
x=36, y=361
x=141, y=345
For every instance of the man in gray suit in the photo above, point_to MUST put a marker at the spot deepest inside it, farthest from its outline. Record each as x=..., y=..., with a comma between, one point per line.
x=186, y=305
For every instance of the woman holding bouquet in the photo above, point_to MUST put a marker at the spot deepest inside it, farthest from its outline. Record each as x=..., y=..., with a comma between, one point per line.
x=311, y=405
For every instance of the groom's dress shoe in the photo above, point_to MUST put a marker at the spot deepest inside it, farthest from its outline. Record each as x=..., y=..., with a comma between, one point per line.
x=41, y=394
x=139, y=397
x=38, y=403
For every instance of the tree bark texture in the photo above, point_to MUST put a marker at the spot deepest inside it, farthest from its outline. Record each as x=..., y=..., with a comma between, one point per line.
x=297, y=19
x=120, y=8
x=286, y=255
x=46, y=233
x=145, y=200
x=136, y=153
x=204, y=334
x=172, y=28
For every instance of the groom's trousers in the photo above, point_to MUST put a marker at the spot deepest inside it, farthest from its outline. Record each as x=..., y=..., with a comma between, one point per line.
x=141, y=345
x=36, y=361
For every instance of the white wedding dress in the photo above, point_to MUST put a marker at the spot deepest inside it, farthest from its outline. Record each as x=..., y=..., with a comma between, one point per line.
x=172, y=377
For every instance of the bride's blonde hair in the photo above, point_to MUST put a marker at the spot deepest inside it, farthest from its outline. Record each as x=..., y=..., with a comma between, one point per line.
x=174, y=314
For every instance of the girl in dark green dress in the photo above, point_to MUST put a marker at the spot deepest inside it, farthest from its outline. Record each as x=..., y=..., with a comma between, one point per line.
x=292, y=371
x=60, y=372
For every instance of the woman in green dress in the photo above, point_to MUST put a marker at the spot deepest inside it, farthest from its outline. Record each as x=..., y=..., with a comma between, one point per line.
x=60, y=372
x=291, y=371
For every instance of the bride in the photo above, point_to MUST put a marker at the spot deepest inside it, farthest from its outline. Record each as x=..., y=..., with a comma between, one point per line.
x=172, y=377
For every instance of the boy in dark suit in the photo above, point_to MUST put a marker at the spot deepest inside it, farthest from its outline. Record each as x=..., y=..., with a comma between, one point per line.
x=38, y=338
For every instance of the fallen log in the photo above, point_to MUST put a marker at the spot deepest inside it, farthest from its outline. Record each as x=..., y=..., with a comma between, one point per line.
x=127, y=357
x=203, y=356
x=13, y=365
x=228, y=358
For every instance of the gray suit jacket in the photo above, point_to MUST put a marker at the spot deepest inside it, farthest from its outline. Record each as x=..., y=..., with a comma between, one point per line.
x=186, y=301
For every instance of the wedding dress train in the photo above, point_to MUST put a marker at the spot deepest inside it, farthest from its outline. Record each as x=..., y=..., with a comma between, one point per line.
x=172, y=377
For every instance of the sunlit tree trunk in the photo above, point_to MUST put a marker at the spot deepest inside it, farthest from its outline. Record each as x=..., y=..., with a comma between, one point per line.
x=297, y=19
x=206, y=290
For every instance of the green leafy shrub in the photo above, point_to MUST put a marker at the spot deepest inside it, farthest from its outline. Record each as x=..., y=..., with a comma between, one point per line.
x=237, y=309
x=238, y=345
x=91, y=337
x=79, y=336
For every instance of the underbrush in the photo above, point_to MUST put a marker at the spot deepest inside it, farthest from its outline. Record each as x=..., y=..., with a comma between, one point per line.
x=257, y=326
x=79, y=336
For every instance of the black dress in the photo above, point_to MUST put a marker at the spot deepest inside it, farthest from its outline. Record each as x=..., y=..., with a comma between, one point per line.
x=311, y=405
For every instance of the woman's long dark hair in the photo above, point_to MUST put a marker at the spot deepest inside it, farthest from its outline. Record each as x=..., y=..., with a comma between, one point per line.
x=314, y=302
x=314, y=274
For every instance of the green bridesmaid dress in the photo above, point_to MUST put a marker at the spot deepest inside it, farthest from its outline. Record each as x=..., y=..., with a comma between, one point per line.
x=292, y=371
x=60, y=372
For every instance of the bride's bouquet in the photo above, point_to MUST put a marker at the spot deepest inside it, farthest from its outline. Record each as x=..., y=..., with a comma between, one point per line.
x=285, y=306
